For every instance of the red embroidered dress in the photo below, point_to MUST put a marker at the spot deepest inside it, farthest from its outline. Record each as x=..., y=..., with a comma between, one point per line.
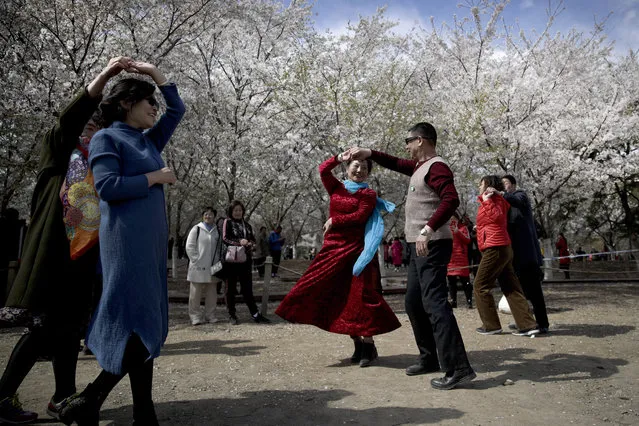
x=328, y=296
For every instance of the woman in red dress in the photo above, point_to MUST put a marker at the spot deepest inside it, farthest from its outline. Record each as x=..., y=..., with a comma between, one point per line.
x=340, y=291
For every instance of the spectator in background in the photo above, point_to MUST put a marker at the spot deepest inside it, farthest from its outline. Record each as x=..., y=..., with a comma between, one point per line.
x=580, y=251
x=405, y=251
x=261, y=250
x=387, y=253
x=396, y=253
x=458, y=269
x=238, y=232
x=203, y=248
x=275, y=242
x=562, y=251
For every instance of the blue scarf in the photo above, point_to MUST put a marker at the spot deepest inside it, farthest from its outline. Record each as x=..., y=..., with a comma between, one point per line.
x=374, y=230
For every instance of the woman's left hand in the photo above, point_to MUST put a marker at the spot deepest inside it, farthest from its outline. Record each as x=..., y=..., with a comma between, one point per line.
x=328, y=225
x=148, y=69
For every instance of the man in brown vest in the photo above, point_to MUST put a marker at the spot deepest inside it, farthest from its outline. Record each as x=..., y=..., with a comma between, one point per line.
x=431, y=201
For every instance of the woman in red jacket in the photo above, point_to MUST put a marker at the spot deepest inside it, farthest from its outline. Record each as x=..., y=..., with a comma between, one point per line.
x=496, y=263
x=458, y=266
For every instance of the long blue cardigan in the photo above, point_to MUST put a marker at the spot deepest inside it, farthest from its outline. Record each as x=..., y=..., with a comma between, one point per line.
x=133, y=236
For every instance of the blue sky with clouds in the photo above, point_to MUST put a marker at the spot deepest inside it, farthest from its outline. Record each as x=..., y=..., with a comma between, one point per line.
x=622, y=26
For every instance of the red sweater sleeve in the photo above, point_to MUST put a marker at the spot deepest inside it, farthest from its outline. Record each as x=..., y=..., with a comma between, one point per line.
x=365, y=207
x=329, y=181
x=440, y=179
x=396, y=164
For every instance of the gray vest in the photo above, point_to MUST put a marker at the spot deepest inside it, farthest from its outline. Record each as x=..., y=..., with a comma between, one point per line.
x=421, y=203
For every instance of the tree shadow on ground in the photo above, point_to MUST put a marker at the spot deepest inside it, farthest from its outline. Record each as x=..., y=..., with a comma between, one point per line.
x=589, y=330
x=514, y=365
x=278, y=407
x=211, y=347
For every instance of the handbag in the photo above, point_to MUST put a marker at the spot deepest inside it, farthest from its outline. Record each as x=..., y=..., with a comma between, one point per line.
x=235, y=254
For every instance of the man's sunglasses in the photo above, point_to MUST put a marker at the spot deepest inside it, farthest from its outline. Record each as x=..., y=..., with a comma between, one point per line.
x=412, y=138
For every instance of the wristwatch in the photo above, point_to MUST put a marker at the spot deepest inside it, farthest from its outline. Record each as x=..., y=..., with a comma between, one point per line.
x=425, y=231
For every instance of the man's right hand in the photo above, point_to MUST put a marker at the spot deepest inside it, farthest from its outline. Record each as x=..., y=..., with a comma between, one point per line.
x=357, y=153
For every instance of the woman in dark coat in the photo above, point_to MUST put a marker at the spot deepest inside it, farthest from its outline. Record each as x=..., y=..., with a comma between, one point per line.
x=51, y=293
x=340, y=290
x=238, y=234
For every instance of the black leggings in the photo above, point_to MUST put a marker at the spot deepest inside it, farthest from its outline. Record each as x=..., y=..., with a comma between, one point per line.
x=61, y=345
x=140, y=373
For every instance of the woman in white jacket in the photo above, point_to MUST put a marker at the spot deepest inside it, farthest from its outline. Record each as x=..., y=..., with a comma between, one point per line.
x=202, y=247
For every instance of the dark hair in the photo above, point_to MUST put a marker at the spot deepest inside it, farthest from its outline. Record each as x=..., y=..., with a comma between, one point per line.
x=127, y=90
x=510, y=178
x=278, y=227
x=369, y=163
x=209, y=209
x=98, y=119
x=234, y=203
x=493, y=181
x=426, y=131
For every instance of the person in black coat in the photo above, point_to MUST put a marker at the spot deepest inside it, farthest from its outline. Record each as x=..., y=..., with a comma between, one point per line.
x=527, y=259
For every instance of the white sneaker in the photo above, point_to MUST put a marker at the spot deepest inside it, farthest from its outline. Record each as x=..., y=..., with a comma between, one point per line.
x=212, y=320
x=531, y=332
x=197, y=322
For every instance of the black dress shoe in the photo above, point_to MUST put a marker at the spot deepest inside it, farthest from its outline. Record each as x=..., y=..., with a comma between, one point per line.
x=357, y=354
x=449, y=381
x=417, y=369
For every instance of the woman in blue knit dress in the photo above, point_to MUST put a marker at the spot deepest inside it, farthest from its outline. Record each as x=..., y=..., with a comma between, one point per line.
x=131, y=322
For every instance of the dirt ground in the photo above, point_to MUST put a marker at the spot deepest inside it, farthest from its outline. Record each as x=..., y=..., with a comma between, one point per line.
x=584, y=372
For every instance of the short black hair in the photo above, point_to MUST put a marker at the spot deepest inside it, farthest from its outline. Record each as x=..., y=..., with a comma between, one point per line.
x=493, y=181
x=369, y=163
x=426, y=131
x=235, y=203
x=209, y=209
x=128, y=90
x=510, y=178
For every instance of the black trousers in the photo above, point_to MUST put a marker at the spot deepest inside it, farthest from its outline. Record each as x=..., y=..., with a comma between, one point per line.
x=58, y=338
x=466, y=286
x=530, y=277
x=277, y=256
x=435, y=328
x=60, y=344
x=242, y=272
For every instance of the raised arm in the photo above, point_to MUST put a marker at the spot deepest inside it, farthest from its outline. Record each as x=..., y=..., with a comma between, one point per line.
x=494, y=209
x=161, y=132
x=63, y=137
x=464, y=235
x=517, y=199
x=330, y=182
x=400, y=165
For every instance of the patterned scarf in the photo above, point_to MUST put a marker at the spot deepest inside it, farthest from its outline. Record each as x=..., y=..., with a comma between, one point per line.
x=80, y=202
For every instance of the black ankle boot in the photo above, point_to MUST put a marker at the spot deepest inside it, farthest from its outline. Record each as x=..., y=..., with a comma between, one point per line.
x=369, y=354
x=145, y=416
x=84, y=409
x=357, y=355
